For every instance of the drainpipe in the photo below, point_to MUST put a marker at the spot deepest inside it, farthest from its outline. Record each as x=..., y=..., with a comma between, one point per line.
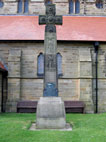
x=96, y=45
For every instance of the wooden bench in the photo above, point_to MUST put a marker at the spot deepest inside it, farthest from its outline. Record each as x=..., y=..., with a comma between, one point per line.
x=74, y=106
x=31, y=106
x=26, y=106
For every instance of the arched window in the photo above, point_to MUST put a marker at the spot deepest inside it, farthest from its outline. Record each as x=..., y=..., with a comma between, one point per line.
x=77, y=6
x=20, y=6
x=26, y=4
x=40, y=68
x=71, y=6
x=74, y=6
x=59, y=64
x=1, y=4
x=99, y=4
x=40, y=64
x=23, y=6
x=48, y=2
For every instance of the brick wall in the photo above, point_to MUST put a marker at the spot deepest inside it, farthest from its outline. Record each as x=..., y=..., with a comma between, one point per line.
x=87, y=7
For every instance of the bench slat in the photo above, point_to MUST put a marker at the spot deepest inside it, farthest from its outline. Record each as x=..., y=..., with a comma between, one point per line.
x=31, y=106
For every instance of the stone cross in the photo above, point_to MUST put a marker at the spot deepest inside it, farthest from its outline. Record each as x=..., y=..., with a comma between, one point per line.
x=50, y=108
x=50, y=43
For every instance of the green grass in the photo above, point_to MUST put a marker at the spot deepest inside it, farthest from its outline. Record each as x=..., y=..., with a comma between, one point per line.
x=86, y=128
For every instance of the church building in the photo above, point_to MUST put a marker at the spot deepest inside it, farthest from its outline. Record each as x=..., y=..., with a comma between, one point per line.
x=81, y=52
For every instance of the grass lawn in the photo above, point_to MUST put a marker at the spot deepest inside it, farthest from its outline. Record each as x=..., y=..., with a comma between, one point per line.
x=86, y=128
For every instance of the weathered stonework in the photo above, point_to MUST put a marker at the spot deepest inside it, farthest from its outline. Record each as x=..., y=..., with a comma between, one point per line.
x=102, y=78
x=0, y=89
x=34, y=87
x=62, y=8
x=10, y=7
x=36, y=8
x=87, y=7
x=14, y=73
x=78, y=69
x=50, y=113
x=85, y=81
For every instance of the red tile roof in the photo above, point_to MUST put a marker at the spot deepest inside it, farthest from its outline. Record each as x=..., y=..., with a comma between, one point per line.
x=73, y=28
x=2, y=67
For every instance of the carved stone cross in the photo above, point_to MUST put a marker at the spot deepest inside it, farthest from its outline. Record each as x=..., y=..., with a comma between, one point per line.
x=50, y=17
x=50, y=111
x=50, y=43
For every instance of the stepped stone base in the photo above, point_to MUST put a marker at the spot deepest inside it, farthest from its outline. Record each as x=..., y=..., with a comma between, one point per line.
x=50, y=113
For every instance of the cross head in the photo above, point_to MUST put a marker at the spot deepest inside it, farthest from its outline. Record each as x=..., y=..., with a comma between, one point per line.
x=50, y=18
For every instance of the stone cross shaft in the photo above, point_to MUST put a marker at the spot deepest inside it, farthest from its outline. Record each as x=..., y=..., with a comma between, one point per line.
x=50, y=44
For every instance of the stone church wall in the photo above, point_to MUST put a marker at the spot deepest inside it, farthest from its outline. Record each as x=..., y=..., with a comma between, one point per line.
x=36, y=7
x=0, y=89
x=78, y=68
x=102, y=78
x=91, y=9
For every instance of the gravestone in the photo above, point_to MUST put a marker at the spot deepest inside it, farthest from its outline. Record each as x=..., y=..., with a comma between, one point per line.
x=50, y=109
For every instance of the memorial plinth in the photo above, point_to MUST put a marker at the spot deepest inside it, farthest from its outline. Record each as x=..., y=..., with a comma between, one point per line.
x=50, y=113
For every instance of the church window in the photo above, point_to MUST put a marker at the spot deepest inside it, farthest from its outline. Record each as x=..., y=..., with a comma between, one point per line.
x=26, y=4
x=74, y=7
x=59, y=64
x=40, y=64
x=99, y=4
x=71, y=6
x=1, y=4
x=23, y=6
x=77, y=6
x=48, y=2
x=20, y=6
x=40, y=68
